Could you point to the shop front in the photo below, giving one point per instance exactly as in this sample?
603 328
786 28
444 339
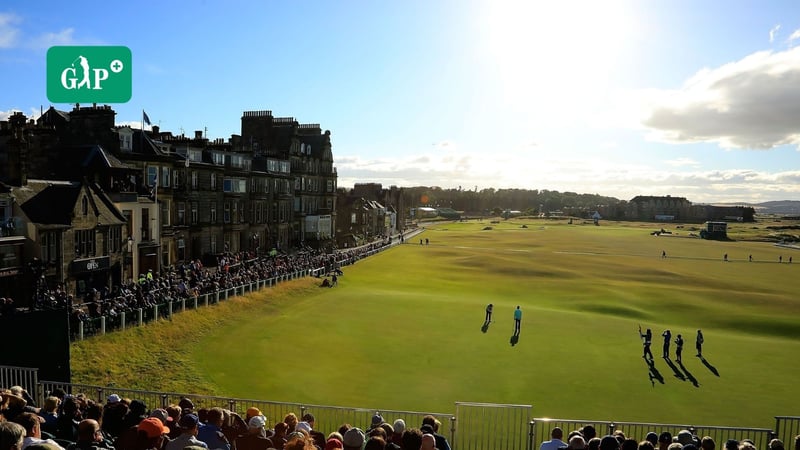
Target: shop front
90 273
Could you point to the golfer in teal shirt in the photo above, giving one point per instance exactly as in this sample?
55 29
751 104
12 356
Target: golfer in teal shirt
517 320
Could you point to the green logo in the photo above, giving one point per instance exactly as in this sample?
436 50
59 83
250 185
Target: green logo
89 74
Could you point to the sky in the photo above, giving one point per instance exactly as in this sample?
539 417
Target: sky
698 99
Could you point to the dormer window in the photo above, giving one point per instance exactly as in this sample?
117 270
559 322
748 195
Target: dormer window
85 206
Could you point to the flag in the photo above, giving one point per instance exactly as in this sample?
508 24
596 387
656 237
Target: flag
145 118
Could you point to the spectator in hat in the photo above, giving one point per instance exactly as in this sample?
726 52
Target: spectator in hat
776 444
186 404
333 444
377 420
685 437
412 439
429 425
399 426
151 434
188 424
353 439
256 436
731 444
11 436
652 438
211 433
555 442
593 443
33 431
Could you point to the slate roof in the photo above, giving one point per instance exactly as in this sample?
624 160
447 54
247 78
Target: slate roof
49 202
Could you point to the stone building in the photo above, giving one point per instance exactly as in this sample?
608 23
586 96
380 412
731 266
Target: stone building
177 198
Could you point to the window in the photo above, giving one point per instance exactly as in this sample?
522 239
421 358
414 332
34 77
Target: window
128 215
84 243
226 213
194 213
165 176
164 205
194 179
176 182
181 219
84 205
329 203
236 185
329 186
50 247
213 243
213 212
152 175
114 239
213 182
218 158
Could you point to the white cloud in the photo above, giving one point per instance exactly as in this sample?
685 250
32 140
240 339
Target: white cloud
47 40
682 162
794 36
33 113
773 32
8 30
554 170
753 103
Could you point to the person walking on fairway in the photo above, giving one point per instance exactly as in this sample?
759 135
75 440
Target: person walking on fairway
667 337
517 320
678 348
699 344
647 339
488 313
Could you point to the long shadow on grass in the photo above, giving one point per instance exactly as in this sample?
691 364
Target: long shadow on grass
653 374
485 327
677 372
514 340
710 367
689 375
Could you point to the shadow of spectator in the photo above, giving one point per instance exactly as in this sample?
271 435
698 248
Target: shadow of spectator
678 374
514 339
689 375
710 367
653 374
485 327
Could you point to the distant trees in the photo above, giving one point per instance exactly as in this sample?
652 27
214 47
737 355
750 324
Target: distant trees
531 202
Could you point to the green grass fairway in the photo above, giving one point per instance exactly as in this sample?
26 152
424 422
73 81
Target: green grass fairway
403 328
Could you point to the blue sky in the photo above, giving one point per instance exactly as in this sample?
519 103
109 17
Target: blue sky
699 99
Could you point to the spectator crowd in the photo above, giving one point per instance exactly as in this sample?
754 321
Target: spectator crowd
76 422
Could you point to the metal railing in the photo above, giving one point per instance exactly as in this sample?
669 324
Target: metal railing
473 426
638 430
787 428
26 377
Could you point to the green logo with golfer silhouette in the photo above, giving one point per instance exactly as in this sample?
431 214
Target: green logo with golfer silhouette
89 74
